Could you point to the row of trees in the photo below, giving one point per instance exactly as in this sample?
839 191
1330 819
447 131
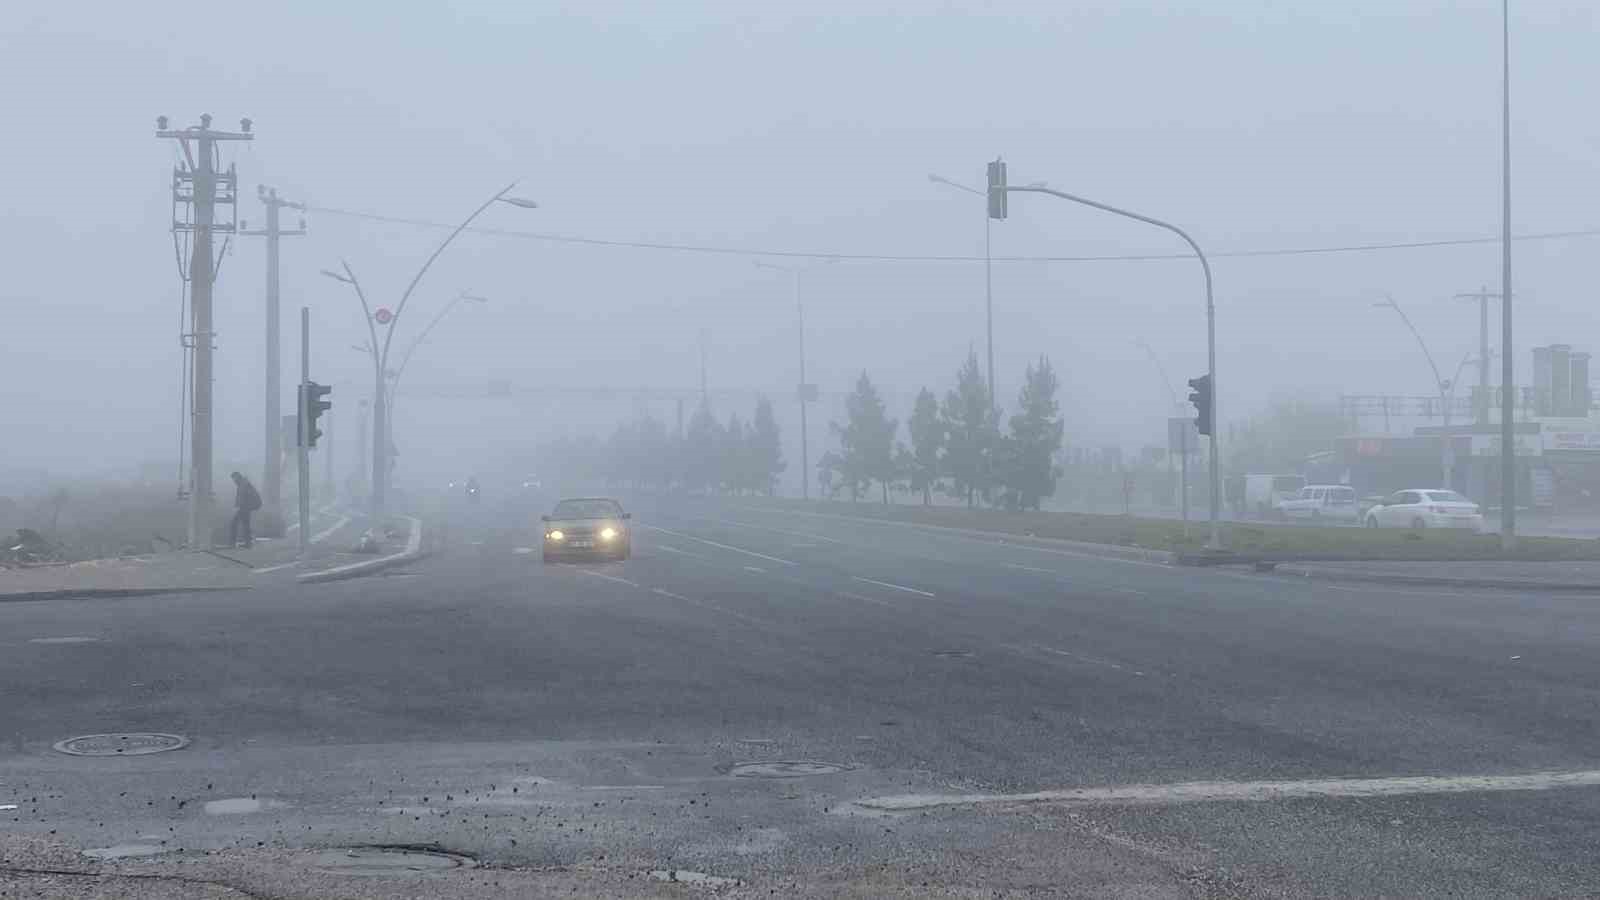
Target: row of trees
733 457
956 445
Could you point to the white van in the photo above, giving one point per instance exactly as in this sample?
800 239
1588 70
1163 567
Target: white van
1319 502
1263 493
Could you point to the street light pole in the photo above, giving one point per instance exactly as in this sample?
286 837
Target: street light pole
1508 450
802 390
1215 540
382 438
1447 456
394 386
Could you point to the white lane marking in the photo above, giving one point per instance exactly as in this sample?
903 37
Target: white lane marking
893 587
799 534
522 551
712 607
865 599
275 568
755 569
784 562
1032 569
671 549
1081 658
1253 791
76 639
592 573
322 535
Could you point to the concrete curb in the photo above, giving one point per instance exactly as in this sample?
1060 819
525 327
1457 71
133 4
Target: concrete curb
1115 551
109 593
1324 574
412 552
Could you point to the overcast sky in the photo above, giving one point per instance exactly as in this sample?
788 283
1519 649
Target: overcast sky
808 127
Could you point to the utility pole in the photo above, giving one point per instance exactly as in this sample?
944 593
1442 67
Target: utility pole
361 458
330 489
1480 409
199 188
705 393
272 461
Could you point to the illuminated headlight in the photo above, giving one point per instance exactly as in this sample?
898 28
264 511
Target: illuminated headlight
607 533
556 535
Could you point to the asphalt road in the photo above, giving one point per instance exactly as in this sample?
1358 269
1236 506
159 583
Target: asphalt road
1352 740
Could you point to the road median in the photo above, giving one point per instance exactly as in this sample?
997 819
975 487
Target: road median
413 551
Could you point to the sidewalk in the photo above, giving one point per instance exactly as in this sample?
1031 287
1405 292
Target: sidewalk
188 570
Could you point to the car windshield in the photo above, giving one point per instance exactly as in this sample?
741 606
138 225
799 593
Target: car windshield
587 509
1342 494
1445 497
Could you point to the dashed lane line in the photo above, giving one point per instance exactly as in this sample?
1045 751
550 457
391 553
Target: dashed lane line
756 569
865 599
1246 791
799 534
729 547
619 580
893 587
1034 569
666 593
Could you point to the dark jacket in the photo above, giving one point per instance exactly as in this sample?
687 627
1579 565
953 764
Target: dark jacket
246 497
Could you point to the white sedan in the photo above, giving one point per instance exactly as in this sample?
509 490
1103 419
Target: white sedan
1322 502
1429 508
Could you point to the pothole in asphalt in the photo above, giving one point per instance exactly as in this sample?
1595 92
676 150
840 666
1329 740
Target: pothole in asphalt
952 654
801 768
684 876
132 744
389 860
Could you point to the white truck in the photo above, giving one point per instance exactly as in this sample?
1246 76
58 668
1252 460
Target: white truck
1263 493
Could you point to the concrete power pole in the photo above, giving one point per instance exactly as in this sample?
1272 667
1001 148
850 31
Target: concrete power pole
272 456
1480 409
198 188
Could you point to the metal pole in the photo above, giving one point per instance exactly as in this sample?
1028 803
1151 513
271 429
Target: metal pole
1215 540
272 456
805 443
988 306
200 285
1183 443
1481 408
1508 449
303 451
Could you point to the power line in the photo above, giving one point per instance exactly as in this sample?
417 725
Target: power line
887 257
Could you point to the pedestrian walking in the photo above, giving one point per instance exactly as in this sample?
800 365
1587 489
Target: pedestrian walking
246 500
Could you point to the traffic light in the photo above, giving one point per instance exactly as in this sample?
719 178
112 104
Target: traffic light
1201 398
312 406
997 190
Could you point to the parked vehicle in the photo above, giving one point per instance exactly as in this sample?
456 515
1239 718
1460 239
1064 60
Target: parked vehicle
1425 508
1263 493
1322 502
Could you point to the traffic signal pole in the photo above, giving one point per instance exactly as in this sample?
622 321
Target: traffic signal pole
303 445
998 190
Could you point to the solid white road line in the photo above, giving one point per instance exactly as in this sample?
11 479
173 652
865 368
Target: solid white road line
865 599
1251 791
666 593
671 549
893 587
690 537
593 574
799 534
1032 569
755 569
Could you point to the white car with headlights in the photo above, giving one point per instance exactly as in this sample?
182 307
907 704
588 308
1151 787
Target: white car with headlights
587 527
1424 508
1322 503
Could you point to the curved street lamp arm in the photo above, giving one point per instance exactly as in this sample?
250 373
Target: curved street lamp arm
367 310
401 308
1438 380
1172 394
394 383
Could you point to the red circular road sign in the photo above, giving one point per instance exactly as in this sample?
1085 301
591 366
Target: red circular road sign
383 315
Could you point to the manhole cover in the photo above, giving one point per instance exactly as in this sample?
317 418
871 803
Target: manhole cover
953 654
388 861
135 744
785 769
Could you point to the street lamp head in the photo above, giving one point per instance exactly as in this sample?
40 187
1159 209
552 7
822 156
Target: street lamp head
521 202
